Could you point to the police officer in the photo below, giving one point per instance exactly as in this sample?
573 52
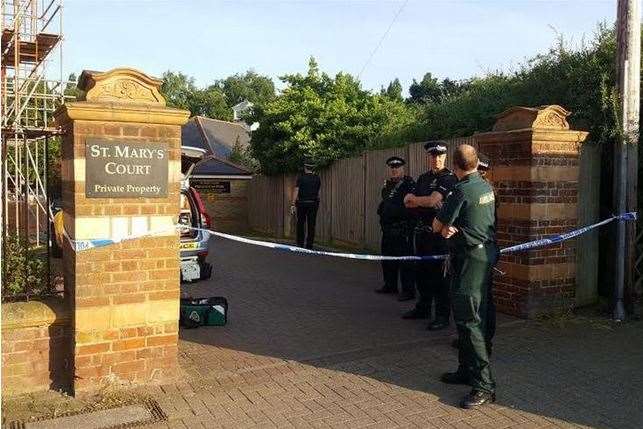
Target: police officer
467 220
305 202
397 230
431 190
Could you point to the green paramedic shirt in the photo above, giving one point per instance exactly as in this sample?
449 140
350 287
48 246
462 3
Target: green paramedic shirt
471 209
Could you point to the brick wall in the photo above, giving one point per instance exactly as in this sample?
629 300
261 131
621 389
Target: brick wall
535 173
126 295
36 353
229 212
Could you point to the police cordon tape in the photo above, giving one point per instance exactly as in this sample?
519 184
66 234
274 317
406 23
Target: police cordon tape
81 245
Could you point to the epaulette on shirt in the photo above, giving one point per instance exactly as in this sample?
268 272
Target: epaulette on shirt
445 173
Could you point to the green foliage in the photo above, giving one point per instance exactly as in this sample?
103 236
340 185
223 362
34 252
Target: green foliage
247 87
426 91
431 91
393 90
324 119
580 80
71 88
215 101
242 156
177 89
25 269
210 102
54 165
180 91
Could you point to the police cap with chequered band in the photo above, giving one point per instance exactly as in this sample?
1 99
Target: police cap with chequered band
436 147
484 163
395 162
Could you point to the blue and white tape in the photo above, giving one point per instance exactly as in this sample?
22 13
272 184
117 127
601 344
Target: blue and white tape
323 253
568 235
80 245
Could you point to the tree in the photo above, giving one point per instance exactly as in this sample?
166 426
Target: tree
71 87
249 86
452 88
325 119
180 91
426 91
177 89
394 90
580 80
242 156
210 102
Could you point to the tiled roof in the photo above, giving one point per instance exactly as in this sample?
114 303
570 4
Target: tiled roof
215 136
218 167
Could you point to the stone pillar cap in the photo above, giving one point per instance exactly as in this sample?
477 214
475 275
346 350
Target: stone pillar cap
552 117
120 85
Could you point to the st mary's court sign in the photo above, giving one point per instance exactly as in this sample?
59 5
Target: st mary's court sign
125 169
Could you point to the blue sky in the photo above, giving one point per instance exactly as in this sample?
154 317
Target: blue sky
210 40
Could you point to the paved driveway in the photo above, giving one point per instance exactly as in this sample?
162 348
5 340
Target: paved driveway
308 344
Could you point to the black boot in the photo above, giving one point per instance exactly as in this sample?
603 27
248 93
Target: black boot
455 378
438 324
477 398
406 296
415 314
385 289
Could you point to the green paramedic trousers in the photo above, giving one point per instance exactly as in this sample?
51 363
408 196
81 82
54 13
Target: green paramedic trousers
472 270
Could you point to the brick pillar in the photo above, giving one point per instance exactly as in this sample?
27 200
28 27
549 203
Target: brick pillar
535 172
125 296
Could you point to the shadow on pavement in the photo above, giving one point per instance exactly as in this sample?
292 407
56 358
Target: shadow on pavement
307 312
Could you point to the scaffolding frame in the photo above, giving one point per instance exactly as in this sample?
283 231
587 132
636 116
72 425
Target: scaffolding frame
32 87
31 45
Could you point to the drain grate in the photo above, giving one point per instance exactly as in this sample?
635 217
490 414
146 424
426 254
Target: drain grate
126 416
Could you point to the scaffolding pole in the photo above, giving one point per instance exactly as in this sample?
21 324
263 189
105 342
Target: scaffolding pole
31 55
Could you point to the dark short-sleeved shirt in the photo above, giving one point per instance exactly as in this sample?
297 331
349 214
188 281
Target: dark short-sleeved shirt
308 184
442 181
391 209
470 208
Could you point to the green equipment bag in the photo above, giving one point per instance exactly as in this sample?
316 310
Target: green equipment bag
197 312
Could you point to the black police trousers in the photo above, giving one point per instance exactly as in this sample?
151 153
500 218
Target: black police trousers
306 219
397 243
432 284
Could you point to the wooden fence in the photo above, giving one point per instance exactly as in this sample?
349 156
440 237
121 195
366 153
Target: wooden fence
350 194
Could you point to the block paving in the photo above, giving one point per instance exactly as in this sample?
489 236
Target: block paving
309 344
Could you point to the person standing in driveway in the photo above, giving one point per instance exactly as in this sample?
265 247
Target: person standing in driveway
467 221
305 203
397 225
432 188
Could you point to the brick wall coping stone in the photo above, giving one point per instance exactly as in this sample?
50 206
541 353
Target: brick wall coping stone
518 117
120 112
537 134
27 314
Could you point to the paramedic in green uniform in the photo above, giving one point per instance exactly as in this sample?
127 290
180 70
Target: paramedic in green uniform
467 221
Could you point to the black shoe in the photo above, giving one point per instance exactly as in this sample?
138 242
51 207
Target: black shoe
455 378
477 398
415 314
405 296
455 344
438 324
385 289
